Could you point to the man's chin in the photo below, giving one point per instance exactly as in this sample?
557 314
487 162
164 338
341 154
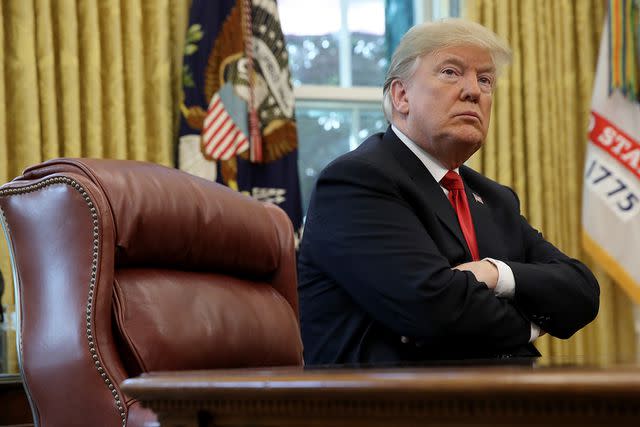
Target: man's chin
473 139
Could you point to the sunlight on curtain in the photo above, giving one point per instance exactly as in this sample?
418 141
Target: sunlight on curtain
91 78
537 141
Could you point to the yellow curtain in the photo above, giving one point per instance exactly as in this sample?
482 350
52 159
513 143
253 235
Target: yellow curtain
537 142
90 78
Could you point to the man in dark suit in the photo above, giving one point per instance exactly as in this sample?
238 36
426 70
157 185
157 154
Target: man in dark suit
407 254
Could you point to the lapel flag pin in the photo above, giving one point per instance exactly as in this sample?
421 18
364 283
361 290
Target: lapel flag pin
478 198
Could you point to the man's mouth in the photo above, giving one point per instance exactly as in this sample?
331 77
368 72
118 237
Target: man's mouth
469 114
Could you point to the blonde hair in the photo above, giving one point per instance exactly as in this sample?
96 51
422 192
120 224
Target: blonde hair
430 37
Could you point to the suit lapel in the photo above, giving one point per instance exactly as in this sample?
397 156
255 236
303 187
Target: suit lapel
437 200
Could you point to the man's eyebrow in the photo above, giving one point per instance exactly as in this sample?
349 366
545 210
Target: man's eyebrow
460 63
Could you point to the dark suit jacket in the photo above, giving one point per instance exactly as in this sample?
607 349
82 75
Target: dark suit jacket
375 277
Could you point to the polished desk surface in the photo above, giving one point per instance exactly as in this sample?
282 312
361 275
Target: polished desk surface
447 395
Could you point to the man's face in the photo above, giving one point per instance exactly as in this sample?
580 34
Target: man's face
446 105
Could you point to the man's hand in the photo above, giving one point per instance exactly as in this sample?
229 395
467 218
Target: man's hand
484 271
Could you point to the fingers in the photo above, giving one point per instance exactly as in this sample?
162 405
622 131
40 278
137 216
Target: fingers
484 271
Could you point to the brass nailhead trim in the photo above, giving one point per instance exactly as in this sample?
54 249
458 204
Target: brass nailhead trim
94 268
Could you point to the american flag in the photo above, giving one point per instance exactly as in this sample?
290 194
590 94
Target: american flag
221 138
238 118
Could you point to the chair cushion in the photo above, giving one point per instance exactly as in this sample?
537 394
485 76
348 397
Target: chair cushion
176 320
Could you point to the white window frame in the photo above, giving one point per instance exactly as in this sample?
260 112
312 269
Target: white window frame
338 93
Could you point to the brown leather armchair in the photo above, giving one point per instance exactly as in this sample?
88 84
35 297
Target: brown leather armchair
125 267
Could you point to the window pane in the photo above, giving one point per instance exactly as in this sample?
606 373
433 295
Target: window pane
313 60
328 129
326 136
339 43
368 46
371 121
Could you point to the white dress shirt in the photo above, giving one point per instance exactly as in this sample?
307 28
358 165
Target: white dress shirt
506 285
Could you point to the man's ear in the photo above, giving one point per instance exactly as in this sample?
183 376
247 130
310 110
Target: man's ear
399 96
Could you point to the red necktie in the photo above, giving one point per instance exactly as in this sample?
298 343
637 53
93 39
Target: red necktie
458 199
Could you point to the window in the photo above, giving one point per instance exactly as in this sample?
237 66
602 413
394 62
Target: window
327 129
338 57
335 42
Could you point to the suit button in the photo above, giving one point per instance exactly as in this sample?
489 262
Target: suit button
404 340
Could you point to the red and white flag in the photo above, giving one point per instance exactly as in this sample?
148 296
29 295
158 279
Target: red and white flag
221 137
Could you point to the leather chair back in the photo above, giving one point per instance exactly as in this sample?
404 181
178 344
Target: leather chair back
125 267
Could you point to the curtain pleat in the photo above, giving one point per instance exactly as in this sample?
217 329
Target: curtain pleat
4 155
503 151
90 78
46 69
65 38
133 39
158 72
112 77
536 144
518 105
180 15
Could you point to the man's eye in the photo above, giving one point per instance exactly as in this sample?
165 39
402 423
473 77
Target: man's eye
486 81
449 72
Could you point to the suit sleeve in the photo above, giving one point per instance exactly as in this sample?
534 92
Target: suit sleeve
556 292
365 236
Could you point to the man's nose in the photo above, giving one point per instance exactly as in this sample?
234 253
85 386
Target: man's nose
470 90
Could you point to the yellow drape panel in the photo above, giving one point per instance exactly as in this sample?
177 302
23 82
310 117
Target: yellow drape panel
90 78
537 141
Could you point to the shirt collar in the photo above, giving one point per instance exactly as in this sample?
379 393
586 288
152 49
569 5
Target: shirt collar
433 166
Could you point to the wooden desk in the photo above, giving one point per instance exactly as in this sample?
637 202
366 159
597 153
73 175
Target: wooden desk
393 397
14 405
